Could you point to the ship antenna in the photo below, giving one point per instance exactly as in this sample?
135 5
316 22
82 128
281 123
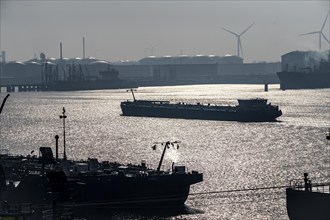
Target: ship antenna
63 116
167 145
132 90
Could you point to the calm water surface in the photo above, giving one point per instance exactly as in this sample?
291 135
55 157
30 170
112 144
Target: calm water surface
231 155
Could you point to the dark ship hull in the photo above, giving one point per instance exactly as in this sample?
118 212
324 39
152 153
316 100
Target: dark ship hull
305 70
158 190
41 181
304 80
105 190
305 201
253 113
305 205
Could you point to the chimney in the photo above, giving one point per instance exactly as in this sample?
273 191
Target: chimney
83 47
61 51
3 56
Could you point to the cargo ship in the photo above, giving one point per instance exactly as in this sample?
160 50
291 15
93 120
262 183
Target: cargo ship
75 80
305 70
43 180
247 110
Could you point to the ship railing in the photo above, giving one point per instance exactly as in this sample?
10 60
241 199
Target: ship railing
152 101
15 209
315 187
63 214
47 215
323 188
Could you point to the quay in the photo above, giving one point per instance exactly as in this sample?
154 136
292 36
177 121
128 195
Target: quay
22 88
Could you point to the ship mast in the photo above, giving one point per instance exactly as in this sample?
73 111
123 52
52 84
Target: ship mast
166 145
63 116
132 90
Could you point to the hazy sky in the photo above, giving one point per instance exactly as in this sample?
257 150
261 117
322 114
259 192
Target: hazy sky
124 30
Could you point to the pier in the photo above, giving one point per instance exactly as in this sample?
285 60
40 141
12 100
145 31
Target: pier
22 84
22 88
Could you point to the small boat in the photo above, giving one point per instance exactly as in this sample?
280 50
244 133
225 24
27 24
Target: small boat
247 110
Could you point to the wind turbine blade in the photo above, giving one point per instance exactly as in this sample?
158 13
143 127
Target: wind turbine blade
152 45
240 45
325 38
315 32
238 40
230 32
247 29
325 20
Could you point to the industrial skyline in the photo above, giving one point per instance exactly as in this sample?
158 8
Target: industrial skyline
131 30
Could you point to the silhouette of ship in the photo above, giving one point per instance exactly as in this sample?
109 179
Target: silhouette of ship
248 110
46 179
307 200
76 80
305 80
305 70
92 183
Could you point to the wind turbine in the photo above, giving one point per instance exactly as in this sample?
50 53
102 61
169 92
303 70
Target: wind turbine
151 48
239 43
320 32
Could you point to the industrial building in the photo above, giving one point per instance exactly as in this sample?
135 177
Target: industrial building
167 70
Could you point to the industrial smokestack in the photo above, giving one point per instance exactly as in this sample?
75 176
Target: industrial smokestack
61 51
83 47
3 56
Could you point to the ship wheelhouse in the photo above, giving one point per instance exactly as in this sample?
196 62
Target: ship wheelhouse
252 102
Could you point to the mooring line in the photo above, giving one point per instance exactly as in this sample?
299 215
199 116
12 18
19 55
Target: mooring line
238 190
